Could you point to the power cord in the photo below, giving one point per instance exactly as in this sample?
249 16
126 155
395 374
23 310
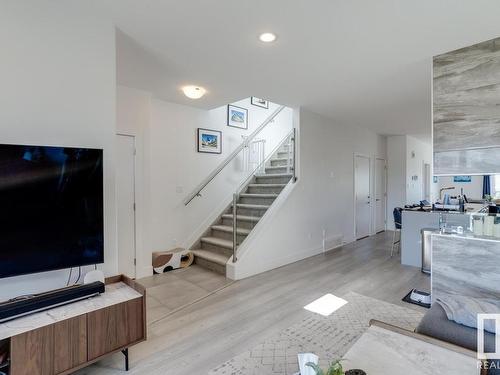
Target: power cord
79 275
69 277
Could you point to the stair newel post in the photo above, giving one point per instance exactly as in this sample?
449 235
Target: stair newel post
235 234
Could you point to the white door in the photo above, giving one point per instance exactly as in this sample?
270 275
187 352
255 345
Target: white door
362 195
125 197
380 194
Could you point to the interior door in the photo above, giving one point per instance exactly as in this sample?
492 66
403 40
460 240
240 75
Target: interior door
380 194
362 195
125 192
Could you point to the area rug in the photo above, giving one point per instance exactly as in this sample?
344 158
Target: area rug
328 337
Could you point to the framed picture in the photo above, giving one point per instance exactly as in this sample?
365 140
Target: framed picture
237 117
259 102
462 179
209 141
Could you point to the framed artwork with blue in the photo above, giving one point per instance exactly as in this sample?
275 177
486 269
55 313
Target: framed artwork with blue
462 178
209 141
237 117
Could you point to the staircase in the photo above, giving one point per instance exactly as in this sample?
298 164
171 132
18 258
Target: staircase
215 247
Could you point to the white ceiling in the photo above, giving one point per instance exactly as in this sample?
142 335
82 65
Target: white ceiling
363 62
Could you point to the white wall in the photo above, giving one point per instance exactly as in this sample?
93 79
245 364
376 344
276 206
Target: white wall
417 153
322 198
396 176
57 75
133 113
406 157
172 167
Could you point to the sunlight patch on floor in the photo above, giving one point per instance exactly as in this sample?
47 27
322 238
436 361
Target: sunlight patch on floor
326 305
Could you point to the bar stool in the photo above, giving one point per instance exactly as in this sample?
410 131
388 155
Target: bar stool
397 212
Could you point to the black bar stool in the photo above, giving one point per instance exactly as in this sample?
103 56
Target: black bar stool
398 225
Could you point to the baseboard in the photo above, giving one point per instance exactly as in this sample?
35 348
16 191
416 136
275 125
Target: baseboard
333 242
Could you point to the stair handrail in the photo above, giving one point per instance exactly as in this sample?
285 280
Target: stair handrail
196 192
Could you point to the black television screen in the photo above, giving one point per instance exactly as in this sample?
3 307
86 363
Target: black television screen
51 208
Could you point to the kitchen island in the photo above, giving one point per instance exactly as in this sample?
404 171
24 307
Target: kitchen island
416 220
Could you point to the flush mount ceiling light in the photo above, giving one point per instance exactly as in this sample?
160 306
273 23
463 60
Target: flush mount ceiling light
267 37
194 92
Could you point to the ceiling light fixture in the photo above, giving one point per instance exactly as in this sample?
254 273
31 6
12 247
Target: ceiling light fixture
194 92
267 37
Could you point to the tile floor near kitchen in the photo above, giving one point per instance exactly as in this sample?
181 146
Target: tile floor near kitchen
170 291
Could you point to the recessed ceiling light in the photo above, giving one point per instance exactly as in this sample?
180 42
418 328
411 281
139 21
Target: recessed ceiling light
194 92
267 37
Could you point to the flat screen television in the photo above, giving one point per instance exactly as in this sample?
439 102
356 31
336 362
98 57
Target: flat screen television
51 208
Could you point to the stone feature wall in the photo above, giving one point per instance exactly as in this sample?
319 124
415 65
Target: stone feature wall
466 102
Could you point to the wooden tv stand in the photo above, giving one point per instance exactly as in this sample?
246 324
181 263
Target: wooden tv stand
67 338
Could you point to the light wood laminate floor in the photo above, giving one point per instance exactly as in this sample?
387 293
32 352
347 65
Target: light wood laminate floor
239 316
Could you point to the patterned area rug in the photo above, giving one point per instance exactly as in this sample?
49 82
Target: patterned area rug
328 337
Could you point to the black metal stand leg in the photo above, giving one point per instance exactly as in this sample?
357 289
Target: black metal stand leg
125 353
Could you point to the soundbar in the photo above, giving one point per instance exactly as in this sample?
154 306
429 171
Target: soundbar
22 306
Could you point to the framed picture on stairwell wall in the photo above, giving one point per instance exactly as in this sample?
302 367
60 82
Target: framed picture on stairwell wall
209 141
259 102
237 117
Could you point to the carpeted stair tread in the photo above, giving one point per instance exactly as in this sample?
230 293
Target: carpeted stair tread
211 256
218 242
229 229
253 206
267 185
257 195
274 175
276 167
242 217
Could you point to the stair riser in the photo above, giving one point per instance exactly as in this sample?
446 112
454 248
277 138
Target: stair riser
273 180
210 265
216 249
241 224
227 235
264 190
277 170
254 200
276 163
250 212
